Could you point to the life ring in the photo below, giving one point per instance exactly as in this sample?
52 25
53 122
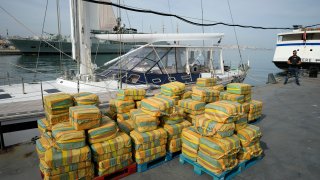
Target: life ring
195 68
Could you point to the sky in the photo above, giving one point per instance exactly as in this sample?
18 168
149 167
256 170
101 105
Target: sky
266 13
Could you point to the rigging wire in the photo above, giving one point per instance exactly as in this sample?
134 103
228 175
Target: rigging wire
188 21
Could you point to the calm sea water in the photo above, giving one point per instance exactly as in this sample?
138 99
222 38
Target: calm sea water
52 67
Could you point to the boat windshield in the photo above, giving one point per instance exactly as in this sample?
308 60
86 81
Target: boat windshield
298 37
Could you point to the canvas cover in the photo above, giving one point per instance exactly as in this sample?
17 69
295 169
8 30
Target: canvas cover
58 103
145 137
249 135
212 128
131 94
223 111
231 97
239 88
206 82
86 98
66 137
84 117
173 89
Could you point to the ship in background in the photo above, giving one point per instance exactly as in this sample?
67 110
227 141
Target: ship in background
106 23
306 41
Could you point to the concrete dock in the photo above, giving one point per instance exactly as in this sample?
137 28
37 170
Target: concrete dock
291 143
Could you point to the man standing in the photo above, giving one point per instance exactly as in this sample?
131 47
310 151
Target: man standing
294 61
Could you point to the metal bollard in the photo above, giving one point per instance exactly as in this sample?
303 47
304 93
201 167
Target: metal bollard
23 90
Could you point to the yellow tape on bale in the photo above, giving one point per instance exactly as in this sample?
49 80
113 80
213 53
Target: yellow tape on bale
157 106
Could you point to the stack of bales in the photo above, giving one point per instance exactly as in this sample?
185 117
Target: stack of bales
131 99
86 98
190 139
149 139
191 108
255 110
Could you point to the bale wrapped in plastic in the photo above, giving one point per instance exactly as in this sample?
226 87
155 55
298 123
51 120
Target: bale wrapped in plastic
219 148
191 106
189 152
206 82
67 137
249 152
245 107
239 88
247 97
55 158
254 116
212 128
255 106
216 166
83 174
58 103
149 152
175 129
117 167
113 154
145 137
43 144
126 126
249 135
131 94
174 145
107 130
173 88
109 113
122 140
150 158
86 98
219 87
43 125
205 94
242 122
108 163
85 117
176 117
138 104
223 111
174 98
190 142
112 105
231 97
186 95
192 118
143 122
122 106
157 106
149 145
58 118
48 171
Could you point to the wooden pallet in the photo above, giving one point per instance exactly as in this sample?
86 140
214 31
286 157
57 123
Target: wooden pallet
131 169
151 164
170 156
198 169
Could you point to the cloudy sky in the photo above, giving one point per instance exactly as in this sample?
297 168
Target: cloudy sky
267 13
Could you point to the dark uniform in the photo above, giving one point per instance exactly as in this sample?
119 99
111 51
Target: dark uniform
294 62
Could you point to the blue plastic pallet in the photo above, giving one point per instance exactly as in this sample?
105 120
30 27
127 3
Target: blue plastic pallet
170 156
198 169
248 163
151 164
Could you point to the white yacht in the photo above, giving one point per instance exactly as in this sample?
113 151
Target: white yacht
305 41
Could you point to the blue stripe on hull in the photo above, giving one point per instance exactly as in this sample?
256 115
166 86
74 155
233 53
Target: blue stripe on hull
299 44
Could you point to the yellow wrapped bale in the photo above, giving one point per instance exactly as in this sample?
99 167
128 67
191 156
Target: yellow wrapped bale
245 107
107 130
55 158
149 145
205 94
189 152
219 148
126 126
117 167
219 87
108 163
85 117
173 89
150 158
138 104
107 112
113 154
131 94
190 142
186 95
175 129
255 110
249 135
242 122
176 117
121 141
122 106
145 137
43 125
223 111
208 127
175 99
157 106
239 88
216 166
48 171
174 145
143 122
193 107
83 174
43 144
231 97
247 97
247 153
58 118
206 82
149 152
86 98
58 103
67 137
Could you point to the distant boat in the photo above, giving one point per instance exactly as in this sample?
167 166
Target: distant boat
305 41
